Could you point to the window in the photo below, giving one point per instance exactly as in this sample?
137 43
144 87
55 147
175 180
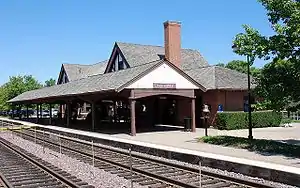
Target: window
113 68
64 79
120 63
116 63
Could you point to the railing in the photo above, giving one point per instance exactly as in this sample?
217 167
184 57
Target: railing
293 115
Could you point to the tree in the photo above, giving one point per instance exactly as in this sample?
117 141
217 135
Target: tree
220 64
280 79
275 78
50 82
15 86
240 66
2 99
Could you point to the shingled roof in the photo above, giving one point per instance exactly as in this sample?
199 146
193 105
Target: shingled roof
137 54
96 83
76 71
102 82
216 77
91 78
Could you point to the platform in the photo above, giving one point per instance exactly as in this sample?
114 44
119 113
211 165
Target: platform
178 143
187 140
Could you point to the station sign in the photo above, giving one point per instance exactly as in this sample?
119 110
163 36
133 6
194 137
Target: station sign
164 85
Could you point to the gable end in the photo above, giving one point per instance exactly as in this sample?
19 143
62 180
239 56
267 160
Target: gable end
63 77
116 61
163 74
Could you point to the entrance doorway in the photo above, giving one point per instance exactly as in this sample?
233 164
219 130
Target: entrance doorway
165 110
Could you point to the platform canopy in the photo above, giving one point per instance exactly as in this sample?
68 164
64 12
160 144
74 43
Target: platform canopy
113 81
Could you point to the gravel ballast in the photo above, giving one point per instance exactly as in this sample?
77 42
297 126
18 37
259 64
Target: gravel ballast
214 170
88 173
224 172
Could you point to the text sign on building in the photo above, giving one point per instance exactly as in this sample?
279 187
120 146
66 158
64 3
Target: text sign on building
164 85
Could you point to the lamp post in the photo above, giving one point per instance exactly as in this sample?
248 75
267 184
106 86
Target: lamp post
250 59
250 136
206 116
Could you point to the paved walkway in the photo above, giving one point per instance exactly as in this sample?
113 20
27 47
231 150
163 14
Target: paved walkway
187 140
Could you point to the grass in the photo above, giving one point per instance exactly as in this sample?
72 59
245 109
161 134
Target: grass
257 145
296 121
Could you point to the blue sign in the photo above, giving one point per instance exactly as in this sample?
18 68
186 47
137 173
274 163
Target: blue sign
246 109
220 108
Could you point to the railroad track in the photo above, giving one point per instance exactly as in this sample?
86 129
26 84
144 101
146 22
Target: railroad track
147 171
18 168
121 171
8 124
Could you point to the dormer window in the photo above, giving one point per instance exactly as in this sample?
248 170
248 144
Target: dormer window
118 63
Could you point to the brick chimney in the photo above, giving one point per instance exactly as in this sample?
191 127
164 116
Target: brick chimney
172 42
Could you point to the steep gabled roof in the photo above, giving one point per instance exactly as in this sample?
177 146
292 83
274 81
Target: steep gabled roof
96 83
137 54
97 68
216 77
113 81
76 71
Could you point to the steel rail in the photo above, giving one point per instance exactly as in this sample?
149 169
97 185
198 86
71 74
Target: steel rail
182 167
39 165
241 181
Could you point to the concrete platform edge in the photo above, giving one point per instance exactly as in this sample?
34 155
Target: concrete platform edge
269 171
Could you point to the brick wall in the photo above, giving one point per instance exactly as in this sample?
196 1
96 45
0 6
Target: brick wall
235 100
231 101
211 98
184 109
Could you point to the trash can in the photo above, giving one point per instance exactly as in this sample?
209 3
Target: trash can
187 123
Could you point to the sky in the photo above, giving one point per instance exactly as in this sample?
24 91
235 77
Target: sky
36 37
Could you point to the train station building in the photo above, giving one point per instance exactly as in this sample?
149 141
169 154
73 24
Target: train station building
140 86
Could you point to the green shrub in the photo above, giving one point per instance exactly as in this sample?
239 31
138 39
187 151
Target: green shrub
286 121
239 120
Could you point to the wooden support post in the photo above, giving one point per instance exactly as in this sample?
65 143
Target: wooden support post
13 111
193 115
50 114
93 116
84 107
60 111
63 110
132 112
68 114
20 111
27 113
115 111
41 112
37 113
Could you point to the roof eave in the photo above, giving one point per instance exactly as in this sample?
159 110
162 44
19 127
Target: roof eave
61 96
182 73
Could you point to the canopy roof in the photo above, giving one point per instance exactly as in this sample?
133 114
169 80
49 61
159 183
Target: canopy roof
84 79
113 81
